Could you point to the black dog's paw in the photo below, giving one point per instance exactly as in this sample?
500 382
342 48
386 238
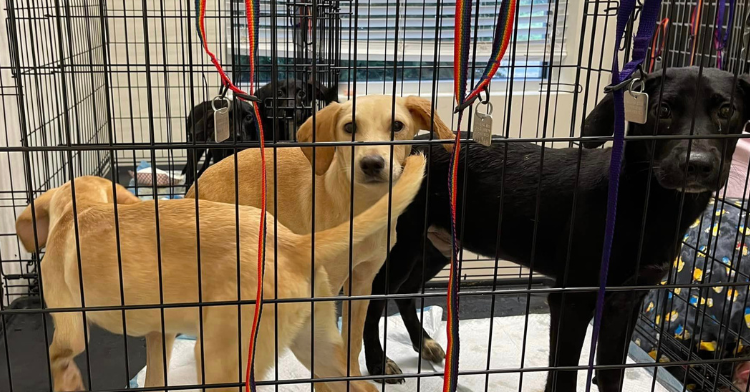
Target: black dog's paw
375 368
390 369
432 351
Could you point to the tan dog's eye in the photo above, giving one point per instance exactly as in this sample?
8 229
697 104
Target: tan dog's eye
349 128
398 126
725 111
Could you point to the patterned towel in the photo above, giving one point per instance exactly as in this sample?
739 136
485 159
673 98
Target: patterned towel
706 321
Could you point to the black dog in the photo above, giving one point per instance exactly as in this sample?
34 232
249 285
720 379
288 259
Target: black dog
562 236
293 107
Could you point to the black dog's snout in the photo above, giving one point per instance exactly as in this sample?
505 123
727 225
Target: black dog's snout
700 165
372 165
697 172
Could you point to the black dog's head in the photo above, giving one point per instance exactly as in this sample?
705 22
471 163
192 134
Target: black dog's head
294 103
293 99
709 104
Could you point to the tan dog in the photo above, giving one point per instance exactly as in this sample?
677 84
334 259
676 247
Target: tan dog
333 166
178 278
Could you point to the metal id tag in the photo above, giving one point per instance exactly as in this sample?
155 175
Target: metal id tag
657 64
483 126
636 104
221 122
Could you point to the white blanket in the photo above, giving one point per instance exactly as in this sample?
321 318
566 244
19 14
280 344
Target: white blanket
507 347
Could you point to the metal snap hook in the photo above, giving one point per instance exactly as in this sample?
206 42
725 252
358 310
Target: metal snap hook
632 84
489 108
219 98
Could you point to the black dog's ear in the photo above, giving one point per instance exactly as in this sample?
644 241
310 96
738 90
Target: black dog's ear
744 80
327 95
600 122
744 83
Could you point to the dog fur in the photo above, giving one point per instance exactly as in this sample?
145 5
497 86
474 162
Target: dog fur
556 226
294 100
166 271
332 172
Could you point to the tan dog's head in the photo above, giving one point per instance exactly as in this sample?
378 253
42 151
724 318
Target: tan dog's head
51 205
336 122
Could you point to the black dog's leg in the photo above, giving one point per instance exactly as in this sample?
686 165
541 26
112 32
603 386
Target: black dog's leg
189 170
373 349
568 324
420 339
206 163
618 322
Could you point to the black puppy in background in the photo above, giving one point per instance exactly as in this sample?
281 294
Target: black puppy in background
562 236
293 107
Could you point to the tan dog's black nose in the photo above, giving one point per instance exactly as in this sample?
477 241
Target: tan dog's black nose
372 165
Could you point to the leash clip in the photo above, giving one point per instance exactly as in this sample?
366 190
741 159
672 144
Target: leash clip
460 108
222 91
247 97
625 83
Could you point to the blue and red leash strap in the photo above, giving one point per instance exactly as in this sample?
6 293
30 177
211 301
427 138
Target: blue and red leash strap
649 16
462 35
721 34
252 14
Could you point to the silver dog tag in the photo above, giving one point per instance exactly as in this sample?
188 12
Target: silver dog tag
483 127
221 124
636 106
221 120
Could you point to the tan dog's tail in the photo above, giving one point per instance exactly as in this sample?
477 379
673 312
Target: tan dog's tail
329 243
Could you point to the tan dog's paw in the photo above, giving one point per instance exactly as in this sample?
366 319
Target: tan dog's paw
69 380
432 351
390 369
363 386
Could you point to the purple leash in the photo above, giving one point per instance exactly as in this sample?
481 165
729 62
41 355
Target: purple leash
720 40
649 17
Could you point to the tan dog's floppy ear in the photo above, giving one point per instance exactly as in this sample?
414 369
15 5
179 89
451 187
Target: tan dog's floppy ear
125 197
325 123
25 223
421 110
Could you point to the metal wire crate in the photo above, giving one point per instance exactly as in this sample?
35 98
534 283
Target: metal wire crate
92 87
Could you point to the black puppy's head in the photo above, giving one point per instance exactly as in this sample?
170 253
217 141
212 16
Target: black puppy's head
709 104
293 99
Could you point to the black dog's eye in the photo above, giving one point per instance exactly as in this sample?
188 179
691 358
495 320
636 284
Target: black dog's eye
725 112
398 126
301 94
349 128
664 111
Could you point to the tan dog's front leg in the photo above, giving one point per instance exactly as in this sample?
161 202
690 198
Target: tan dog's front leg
363 274
329 354
155 358
67 343
68 340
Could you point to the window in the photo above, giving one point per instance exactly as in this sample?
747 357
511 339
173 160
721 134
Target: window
375 35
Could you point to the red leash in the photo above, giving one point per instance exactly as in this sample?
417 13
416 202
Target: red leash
661 38
252 14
